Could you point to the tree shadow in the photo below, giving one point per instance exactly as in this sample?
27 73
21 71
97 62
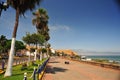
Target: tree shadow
53 62
119 76
53 70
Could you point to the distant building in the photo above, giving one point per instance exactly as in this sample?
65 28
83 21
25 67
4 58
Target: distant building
52 50
28 53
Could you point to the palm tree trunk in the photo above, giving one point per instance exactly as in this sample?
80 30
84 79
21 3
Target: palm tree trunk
47 49
35 55
47 52
41 57
12 50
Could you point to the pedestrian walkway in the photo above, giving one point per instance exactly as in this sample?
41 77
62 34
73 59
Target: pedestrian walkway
58 70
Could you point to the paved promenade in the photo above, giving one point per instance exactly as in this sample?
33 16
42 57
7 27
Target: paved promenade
57 70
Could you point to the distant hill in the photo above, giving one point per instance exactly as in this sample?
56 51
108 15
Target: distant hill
87 52
67 51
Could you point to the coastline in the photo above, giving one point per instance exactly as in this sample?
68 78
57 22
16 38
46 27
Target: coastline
106 58
100 64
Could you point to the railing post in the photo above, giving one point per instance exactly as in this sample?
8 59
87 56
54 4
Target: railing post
34 74
25 76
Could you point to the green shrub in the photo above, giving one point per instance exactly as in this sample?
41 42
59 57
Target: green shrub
24 66
34 64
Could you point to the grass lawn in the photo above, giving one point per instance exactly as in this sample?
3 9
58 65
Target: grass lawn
18 74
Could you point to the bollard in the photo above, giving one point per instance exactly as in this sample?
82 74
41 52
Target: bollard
38 65
25 76
34 73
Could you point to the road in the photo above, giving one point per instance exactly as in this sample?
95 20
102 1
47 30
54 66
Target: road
57 70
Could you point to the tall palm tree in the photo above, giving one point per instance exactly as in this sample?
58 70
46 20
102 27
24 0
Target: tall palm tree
41 22
21 6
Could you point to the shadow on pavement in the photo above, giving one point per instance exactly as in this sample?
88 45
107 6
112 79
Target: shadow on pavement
53 62
53 70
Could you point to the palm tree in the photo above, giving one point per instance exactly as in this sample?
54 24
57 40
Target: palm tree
21 6
41 22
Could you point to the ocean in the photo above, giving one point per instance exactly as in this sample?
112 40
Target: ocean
111 57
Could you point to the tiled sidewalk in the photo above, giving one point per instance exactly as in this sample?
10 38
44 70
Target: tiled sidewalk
57 70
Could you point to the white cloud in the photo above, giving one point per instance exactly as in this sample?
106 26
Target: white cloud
59 27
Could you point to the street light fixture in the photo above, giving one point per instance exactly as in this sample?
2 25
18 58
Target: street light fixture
3 6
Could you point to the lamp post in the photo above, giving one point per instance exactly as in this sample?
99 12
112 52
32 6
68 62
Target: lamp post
3 6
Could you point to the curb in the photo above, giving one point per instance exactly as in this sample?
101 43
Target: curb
40 75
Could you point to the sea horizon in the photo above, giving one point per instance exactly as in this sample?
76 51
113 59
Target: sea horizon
107 57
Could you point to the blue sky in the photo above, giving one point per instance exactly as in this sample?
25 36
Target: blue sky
74 24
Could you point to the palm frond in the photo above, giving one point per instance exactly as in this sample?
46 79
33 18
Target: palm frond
23 5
